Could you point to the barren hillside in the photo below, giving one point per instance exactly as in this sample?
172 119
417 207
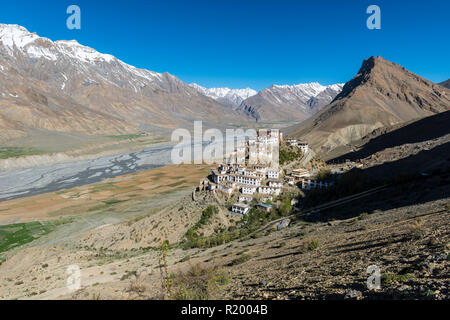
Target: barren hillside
382 94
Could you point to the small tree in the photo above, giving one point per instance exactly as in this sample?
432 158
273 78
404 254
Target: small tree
166 281
285 206
324 174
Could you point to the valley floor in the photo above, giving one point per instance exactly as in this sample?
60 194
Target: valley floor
315 257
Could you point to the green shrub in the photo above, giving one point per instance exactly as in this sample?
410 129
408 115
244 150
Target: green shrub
243 258
16 152
312 245
204 219
416 230
290 154
198 283
324 174
388 279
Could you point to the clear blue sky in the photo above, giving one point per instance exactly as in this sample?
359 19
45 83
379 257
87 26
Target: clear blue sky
251 43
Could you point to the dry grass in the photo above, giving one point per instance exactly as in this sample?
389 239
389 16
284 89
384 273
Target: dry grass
311 245
416 229
198 283
136 285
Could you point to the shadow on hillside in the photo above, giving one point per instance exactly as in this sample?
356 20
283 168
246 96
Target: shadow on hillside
419 131
365 245
361 286
409 186
425 160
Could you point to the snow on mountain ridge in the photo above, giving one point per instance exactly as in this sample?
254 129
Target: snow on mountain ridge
12 34
298 101
227 96
302 92
78 51
15 37
279 94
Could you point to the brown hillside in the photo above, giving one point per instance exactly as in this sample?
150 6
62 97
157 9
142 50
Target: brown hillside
381 94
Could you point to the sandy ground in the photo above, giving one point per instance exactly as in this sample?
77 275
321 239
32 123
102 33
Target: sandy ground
280 265
127 189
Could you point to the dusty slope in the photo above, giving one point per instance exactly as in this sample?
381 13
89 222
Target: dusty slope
381 94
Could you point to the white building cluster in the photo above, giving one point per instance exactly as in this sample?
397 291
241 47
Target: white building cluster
257 179
262 149
308 184
302 177
251 170
262 179
304 147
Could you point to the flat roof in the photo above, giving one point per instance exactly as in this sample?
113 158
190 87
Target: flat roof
241 205
242 176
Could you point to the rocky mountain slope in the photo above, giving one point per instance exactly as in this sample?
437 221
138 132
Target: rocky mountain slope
229 97
67 87
381 94
416 147
445 83
297 102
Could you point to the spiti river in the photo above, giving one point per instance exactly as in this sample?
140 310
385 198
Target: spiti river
49 178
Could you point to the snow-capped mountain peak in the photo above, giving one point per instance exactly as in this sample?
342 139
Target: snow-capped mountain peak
68 87
227 96
18 41
14 35
17 37
302 91
80 52
297 101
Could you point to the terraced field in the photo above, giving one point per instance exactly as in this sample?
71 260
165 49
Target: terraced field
67 212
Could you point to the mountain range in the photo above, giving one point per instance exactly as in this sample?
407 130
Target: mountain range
276 103
63 86
229 97
296 102
382 94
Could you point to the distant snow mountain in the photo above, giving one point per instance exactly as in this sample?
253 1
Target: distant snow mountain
295 102
325 97
63 86
229 97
